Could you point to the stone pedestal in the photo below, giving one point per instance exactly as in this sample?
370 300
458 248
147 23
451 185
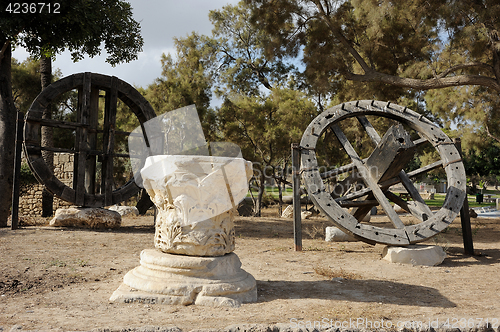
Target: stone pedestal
334 234
174 279
193 262
415 254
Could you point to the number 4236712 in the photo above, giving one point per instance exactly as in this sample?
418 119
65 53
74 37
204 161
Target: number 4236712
33 8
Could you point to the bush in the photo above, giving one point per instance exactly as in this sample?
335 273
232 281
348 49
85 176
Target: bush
26 176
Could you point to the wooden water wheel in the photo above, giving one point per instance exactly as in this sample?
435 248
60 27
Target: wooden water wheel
346 193
86 131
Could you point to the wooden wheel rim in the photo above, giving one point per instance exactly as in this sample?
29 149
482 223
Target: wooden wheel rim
450 158
85 82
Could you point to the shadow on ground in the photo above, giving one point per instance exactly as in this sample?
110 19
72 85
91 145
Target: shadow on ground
376 291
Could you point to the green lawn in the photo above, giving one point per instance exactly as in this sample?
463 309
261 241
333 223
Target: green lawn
437 201
273 192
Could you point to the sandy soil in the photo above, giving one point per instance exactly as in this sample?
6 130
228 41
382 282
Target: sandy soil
62 279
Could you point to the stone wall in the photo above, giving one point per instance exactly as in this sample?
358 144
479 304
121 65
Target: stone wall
30 200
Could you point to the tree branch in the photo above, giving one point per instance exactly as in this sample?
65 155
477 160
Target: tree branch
465 66
425 84
4 48
338 34
491 135
441 81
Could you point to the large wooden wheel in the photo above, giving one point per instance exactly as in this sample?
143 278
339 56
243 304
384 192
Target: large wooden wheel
367 182
83 192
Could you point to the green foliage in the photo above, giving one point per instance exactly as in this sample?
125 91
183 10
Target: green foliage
25 83
82 27
244 65
186 80
26 177
377 50
265 127
484 162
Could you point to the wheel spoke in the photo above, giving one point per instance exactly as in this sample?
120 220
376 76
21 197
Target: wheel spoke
419 208
370 182
375 137
419 211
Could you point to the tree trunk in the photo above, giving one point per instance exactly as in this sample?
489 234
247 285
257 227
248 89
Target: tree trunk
47 137
262 188
7 134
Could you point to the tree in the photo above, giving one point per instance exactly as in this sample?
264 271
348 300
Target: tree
398 43
483 164
25 83
264 128
80 26
406 44
244 68
186 80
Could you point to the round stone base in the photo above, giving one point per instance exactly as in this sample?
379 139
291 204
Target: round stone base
415 254
175 279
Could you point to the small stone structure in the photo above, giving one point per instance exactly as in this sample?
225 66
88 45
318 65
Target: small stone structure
124 210
96 218
415 254
334 234
30 199
193 262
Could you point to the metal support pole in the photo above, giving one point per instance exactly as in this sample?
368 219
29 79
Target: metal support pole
17 172
297 222
464 213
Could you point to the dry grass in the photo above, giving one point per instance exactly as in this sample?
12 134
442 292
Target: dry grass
314 230
331 274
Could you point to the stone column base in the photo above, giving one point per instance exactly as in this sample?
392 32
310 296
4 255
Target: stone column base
176 279
415 254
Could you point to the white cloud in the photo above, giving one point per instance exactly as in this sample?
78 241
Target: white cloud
161 21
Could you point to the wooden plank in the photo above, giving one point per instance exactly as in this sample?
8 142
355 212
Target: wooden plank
391 182
297 222
370 182
464 214
81 140
425 169
57 123
350 167
372 133
363 203
418 207
391 155
17 172
90 165
31 149
343 186
109 141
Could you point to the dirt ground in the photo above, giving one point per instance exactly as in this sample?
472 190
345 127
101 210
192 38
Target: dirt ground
53 278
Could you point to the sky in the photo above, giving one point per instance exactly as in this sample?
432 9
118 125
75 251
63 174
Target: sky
161 21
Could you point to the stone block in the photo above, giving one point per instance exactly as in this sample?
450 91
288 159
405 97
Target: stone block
86 217
287 212
334 234
415 254
125 210
164 278
305 214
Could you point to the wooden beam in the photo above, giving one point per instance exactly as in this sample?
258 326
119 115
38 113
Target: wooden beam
464 213
297 222
81 139
17 172
109 141
90 166
367 176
